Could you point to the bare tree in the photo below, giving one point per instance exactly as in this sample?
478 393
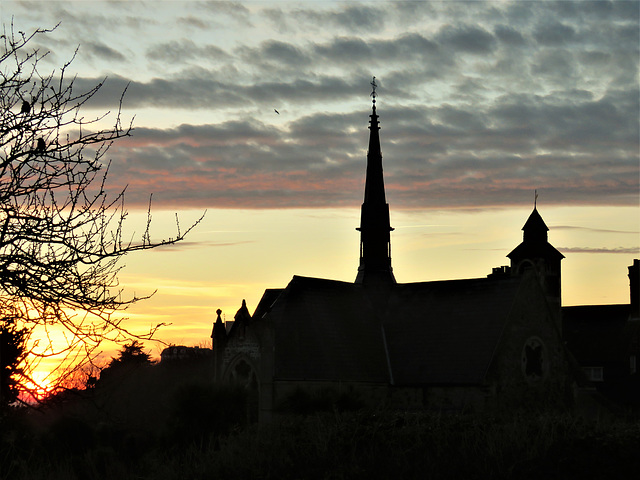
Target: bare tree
61 233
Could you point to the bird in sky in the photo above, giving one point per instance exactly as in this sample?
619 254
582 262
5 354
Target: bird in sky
276 111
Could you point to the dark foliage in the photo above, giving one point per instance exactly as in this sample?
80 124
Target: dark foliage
130 357
12 352
301 401
201 412
203 438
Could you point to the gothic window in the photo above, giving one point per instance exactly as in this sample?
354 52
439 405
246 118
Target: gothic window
534 360
244 375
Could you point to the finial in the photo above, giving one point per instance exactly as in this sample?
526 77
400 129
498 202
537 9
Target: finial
535 199
373 92
219 312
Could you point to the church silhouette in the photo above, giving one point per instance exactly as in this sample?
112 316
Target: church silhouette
476 344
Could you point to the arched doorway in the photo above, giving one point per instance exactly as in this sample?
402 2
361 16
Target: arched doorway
243 374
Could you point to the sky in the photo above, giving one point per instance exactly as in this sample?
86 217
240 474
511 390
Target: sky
257 113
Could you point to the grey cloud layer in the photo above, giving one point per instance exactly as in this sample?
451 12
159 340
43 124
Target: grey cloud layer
433 157
480 103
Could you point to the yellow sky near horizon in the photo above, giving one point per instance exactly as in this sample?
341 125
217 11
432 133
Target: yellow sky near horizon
237 254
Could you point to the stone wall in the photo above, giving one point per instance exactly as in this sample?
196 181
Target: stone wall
530 368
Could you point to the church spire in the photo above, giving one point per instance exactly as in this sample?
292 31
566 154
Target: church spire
375 228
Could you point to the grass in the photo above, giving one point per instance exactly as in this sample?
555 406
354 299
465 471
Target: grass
353 445
165 425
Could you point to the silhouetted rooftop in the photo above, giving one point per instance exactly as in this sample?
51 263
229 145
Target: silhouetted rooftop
433 332
447 332
597 333
327 330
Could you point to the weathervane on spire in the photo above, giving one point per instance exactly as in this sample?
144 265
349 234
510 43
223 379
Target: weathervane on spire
373 92
535 199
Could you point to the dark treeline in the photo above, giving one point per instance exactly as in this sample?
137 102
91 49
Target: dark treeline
169 421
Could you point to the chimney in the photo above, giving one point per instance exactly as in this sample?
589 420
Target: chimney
634 288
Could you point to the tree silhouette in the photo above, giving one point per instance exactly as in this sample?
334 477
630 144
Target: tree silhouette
12 352
131 354
61 233
130 357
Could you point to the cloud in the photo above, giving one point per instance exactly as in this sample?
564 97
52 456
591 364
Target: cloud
180 51
622 250
467 39
509 35
103 51
275 53
352 17
193 21
187 245
589 229
554 33
235 10
318 160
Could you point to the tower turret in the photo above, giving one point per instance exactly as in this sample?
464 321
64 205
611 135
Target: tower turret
537 254
375 240
218 342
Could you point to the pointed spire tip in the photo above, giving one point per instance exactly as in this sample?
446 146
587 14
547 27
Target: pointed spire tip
373 91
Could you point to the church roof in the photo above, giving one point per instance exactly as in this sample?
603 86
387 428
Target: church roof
447 332
266 302
327 330
428 333
535 250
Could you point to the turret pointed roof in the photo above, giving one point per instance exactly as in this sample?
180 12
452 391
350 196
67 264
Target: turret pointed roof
535 240
374 184
219 332
535 228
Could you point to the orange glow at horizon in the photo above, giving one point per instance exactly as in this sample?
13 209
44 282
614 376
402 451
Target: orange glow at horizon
237 254
39 388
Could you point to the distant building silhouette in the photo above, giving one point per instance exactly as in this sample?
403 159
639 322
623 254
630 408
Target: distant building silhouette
474 344
181 352
605 341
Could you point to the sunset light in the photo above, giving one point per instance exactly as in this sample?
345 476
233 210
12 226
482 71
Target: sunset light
471 126
38 389
375 228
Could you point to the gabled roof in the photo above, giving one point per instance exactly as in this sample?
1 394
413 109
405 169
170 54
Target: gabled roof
327 330
447 332
428 333
244 318
269 296
535 250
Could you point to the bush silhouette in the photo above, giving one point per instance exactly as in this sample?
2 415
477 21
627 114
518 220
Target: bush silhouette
303 402
202 411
